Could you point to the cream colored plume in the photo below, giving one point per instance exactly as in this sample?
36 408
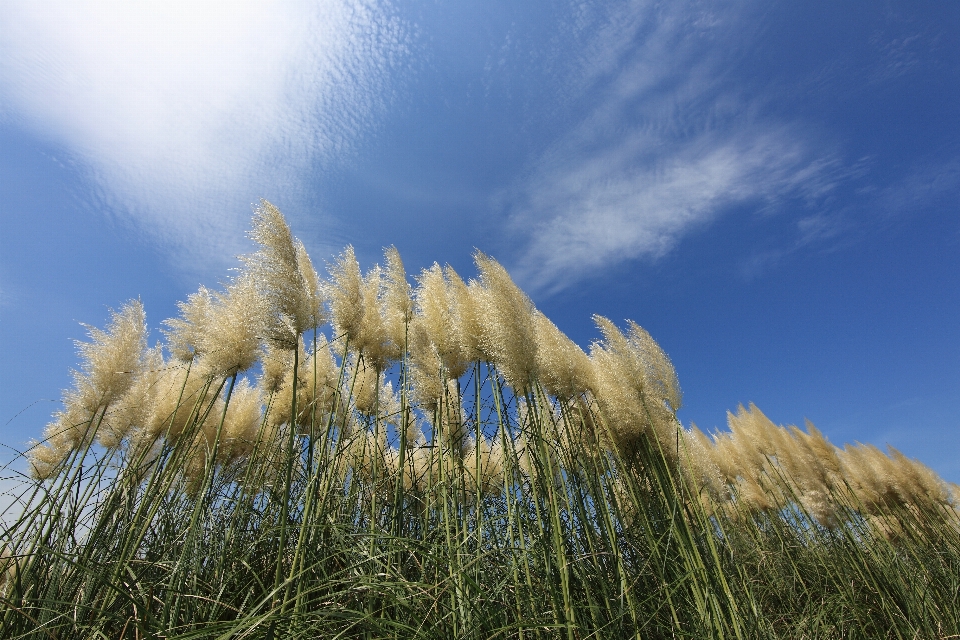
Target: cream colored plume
112 359
276 365
110 363
565 370
284 277
186 334
397 302
507 334
242 423
219 330
345 293
483 465
636 389
317 379
131 412
231 336
379 328
366 389
179 396
699 467
467 318
426 369
447 315
436 320
882 482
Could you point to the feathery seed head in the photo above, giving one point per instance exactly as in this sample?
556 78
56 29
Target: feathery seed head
345 293
467 321
276 365
623 419
317 393
131 411
507 335
752 425
920 485
313 294
175 403
818 503
398 296
698 465
822 447
565 370
861 474
366 388
230 339
726 456
185 335
111 361
242 422
426 367
45 458
284 277
433 310
382 325
112 358
488 456
391 410
636 388
746 449
317 377
437 316
658 370
752 496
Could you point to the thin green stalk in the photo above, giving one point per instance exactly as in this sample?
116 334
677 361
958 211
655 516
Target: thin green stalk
287 480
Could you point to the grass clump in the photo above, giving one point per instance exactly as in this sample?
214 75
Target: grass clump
440 461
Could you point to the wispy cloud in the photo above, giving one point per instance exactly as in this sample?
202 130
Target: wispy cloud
666 143
930 185
182 113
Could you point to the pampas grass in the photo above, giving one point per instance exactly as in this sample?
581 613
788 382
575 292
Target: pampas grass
441 461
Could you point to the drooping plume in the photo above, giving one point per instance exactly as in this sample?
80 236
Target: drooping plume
110 363
131 412
564 368
636 388
113 358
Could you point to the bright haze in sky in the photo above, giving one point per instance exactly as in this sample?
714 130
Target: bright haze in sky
772 190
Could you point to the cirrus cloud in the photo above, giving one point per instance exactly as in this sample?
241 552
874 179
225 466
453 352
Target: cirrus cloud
181 113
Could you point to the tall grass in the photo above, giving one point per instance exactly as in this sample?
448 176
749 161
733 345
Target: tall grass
444 463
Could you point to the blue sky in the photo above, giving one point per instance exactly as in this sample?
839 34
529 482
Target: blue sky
773 191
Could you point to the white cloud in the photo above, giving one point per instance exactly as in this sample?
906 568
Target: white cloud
185 112
667 143
599 210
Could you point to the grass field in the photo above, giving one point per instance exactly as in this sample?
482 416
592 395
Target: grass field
440 461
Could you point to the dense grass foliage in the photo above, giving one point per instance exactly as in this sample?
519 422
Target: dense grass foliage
444 463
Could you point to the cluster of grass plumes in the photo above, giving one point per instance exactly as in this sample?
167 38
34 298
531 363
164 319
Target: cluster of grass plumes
359 457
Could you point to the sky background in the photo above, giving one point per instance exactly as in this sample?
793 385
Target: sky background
773 191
